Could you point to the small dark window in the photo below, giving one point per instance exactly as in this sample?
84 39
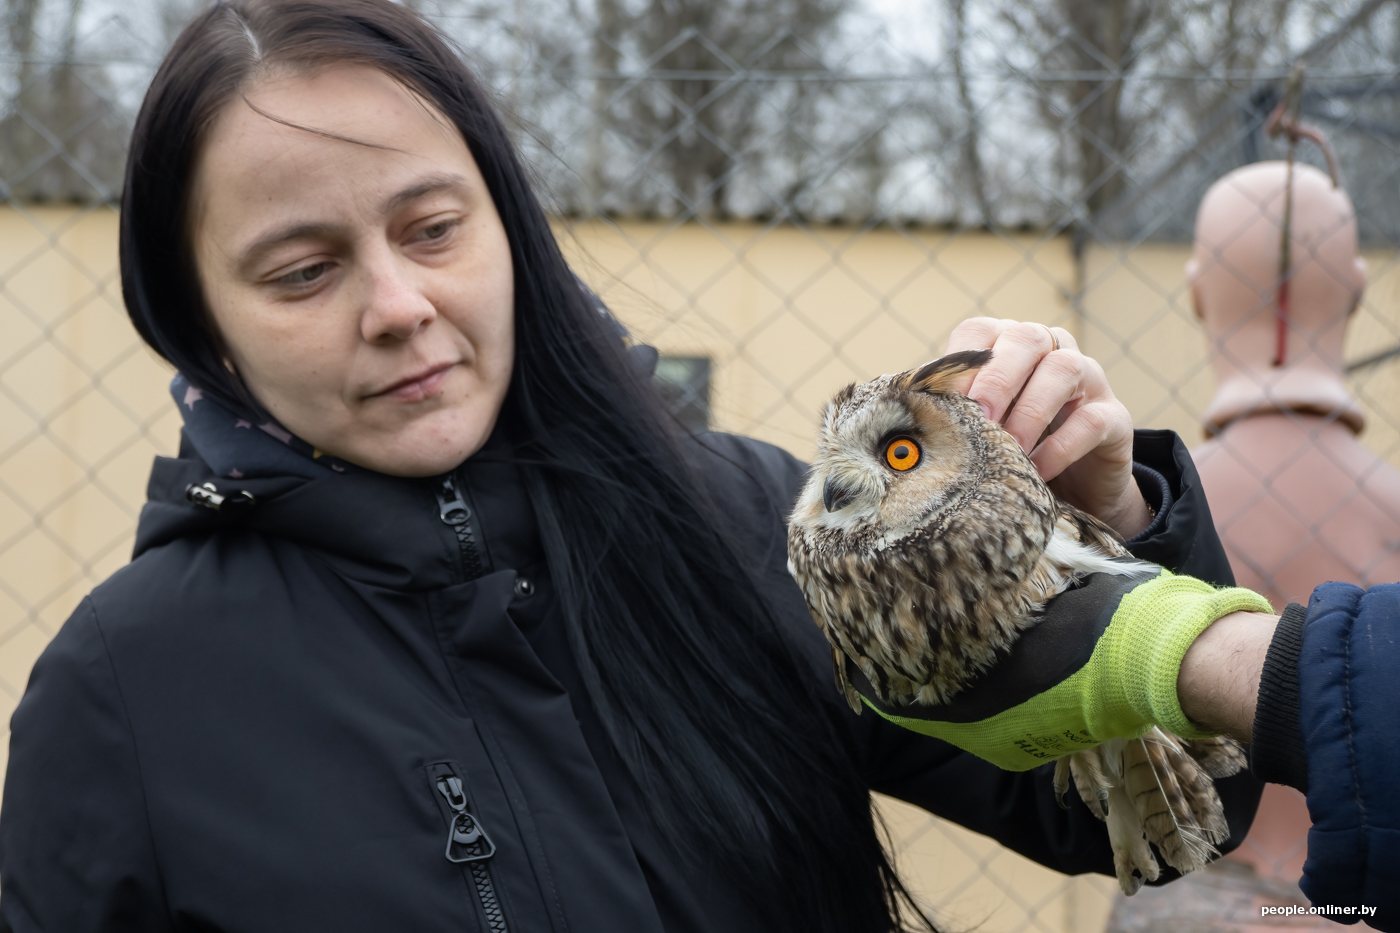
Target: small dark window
684 382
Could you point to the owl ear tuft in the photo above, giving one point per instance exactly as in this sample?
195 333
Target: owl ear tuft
937 377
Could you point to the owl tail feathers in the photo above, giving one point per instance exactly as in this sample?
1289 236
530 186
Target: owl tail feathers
1175 799
1150 789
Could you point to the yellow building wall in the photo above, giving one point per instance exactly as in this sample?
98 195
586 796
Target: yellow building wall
82 411
787 315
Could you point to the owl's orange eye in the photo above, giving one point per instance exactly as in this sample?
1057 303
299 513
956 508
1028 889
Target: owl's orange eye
902 454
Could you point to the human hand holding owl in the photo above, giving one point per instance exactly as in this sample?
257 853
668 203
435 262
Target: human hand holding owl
934 557
1057 403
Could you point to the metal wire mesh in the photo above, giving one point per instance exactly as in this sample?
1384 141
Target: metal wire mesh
782 197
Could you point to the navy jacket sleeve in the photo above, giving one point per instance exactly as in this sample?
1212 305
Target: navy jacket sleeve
77 806
1348 712
1019 810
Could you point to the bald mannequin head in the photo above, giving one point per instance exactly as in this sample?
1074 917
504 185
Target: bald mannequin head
1234 275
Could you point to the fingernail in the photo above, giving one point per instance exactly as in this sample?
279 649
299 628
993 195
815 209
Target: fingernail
986 410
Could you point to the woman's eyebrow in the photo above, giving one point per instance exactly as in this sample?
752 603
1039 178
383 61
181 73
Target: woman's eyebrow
265 244
444 181
430 185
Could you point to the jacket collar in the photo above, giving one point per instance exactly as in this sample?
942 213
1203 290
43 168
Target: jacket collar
235 473
383 529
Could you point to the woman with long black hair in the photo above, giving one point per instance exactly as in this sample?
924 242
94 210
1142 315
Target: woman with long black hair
435 623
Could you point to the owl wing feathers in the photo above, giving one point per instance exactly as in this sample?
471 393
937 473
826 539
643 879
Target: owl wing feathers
1088 530
838 661
1220 756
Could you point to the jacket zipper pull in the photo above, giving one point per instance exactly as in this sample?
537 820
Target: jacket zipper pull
451 508
466 838
456 514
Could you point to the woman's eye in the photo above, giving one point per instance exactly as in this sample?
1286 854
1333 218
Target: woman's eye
902 454
305 275
437 231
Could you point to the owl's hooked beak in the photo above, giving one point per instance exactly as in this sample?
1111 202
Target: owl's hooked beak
835 496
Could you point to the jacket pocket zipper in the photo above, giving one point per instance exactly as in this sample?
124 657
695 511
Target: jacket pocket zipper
457 515
469 845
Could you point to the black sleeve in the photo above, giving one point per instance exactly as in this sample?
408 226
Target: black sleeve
76 854
1182 538
1278 754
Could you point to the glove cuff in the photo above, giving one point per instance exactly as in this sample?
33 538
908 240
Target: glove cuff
1152 630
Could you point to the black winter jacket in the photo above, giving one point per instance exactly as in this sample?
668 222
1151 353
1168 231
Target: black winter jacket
264 721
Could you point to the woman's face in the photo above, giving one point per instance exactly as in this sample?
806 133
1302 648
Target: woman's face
364 292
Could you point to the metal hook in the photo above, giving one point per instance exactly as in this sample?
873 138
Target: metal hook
1283 121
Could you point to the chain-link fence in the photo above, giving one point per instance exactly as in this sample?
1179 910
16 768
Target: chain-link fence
787 195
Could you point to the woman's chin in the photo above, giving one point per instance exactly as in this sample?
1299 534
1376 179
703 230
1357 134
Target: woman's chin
429 446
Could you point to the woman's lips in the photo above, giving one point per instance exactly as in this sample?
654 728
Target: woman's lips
418 387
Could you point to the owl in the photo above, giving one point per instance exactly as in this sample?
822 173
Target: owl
926 544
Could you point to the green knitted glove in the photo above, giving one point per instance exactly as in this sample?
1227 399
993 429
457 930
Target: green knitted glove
1101 664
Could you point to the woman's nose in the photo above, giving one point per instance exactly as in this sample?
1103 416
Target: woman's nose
396 308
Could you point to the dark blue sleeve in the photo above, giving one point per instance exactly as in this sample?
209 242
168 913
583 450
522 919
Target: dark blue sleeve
75 848
1349 710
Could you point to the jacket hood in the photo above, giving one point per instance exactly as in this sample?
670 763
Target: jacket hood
231 473
244 445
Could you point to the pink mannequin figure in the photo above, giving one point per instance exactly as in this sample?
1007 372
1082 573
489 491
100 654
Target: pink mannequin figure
1296 498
